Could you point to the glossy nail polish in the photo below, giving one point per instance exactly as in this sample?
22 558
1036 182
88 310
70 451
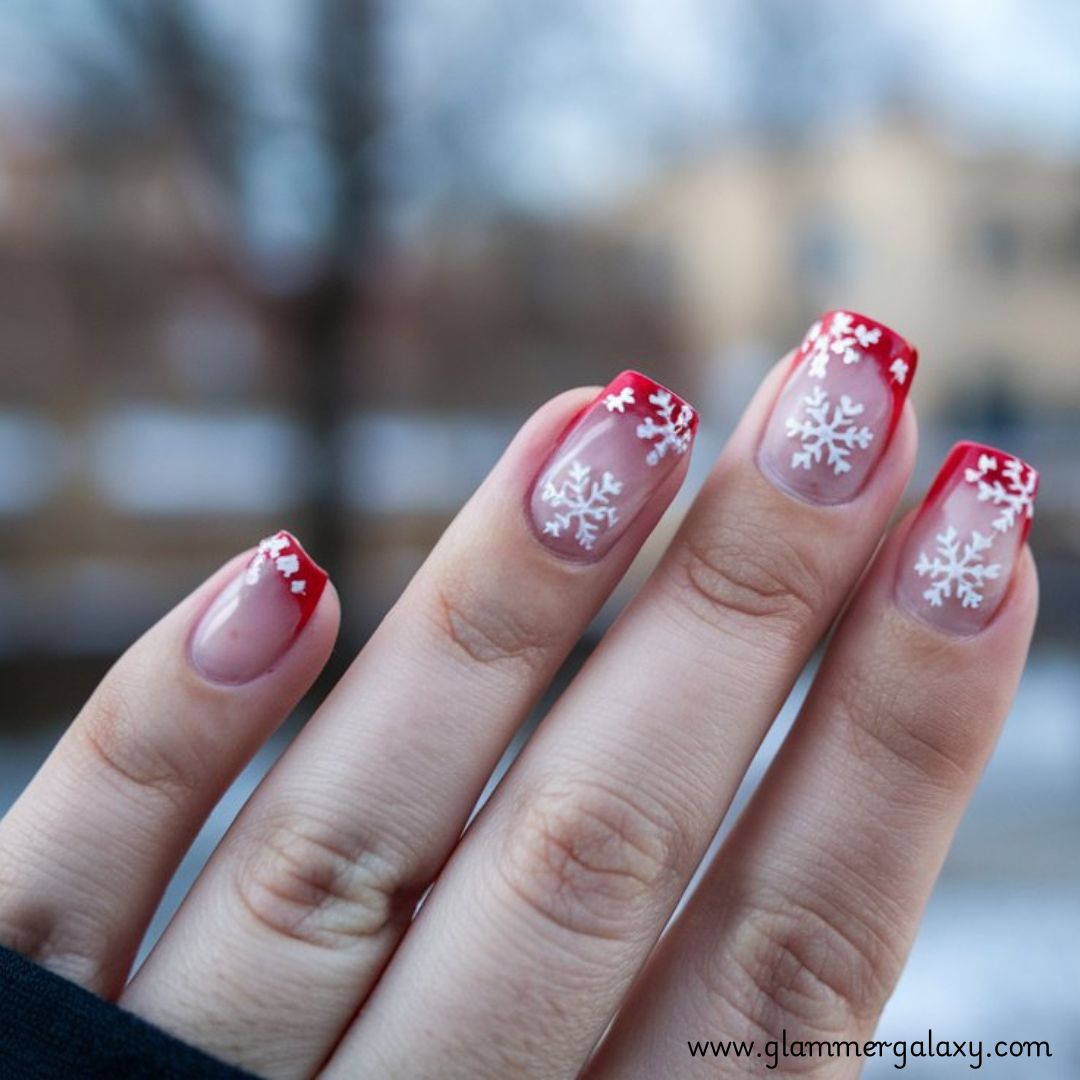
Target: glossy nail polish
258 615
838 408
608 464
961 550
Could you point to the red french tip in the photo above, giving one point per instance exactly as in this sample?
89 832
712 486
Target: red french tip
838 336
300 575
1007 484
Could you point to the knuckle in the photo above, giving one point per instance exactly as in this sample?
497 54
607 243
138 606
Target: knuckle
32 926
491 633
591 860
796 965
728 575
894 731
84 959
306 879
112 730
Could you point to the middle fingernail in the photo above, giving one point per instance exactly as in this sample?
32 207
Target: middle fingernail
834 418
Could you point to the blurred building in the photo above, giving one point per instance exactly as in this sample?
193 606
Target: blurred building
155 407
975 256
155 415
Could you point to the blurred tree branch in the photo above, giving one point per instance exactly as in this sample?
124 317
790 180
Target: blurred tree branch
159 74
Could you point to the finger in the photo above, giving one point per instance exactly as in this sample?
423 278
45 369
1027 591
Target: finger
88 848
804 921
560 889
297 914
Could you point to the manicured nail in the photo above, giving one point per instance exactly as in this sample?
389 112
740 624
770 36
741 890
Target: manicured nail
608 464
962 547
258 615
834 418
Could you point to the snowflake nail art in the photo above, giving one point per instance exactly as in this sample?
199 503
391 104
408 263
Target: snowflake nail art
833 437
282 555
842 400
963 546
838 335
585 503
957 570
618 402
609 464
669 429
1010 486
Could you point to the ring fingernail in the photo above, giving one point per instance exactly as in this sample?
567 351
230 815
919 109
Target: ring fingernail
962 547
608 465
256 617
838 409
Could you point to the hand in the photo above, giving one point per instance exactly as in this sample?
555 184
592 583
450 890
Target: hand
297 951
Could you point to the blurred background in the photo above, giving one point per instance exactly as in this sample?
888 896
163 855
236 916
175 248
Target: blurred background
310 263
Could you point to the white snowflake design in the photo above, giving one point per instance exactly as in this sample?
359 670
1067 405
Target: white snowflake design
272 551
899 369
672 432
841 336
834 437
618 402
584 502
955 568
1015 496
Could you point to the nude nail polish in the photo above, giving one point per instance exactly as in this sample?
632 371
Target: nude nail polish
258 615
962 548
838 409
608 465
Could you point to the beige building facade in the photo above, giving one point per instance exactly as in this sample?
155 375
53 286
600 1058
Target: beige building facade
975 257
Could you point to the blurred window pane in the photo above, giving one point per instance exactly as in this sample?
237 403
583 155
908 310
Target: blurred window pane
157 461
398 463
998 245
31 458
823 248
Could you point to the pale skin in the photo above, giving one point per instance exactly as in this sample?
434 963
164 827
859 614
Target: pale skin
535 955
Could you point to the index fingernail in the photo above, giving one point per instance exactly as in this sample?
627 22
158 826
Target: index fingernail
608 465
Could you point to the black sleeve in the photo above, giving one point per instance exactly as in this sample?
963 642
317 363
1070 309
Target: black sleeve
51 1029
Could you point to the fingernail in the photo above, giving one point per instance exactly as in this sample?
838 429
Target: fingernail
608 465
258 615
836 414
962 548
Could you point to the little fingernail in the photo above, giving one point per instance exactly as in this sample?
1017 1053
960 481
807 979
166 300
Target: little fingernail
608 465
258 615
962 548
836 414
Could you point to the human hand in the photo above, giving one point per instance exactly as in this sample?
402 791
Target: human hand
297 952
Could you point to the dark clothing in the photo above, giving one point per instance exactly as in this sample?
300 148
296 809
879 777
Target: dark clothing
51 1029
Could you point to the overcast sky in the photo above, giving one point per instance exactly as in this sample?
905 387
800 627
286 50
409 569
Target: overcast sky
1001 72
551 106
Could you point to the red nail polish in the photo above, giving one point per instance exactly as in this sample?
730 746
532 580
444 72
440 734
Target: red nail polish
962 548
608 465
839 408
258 615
